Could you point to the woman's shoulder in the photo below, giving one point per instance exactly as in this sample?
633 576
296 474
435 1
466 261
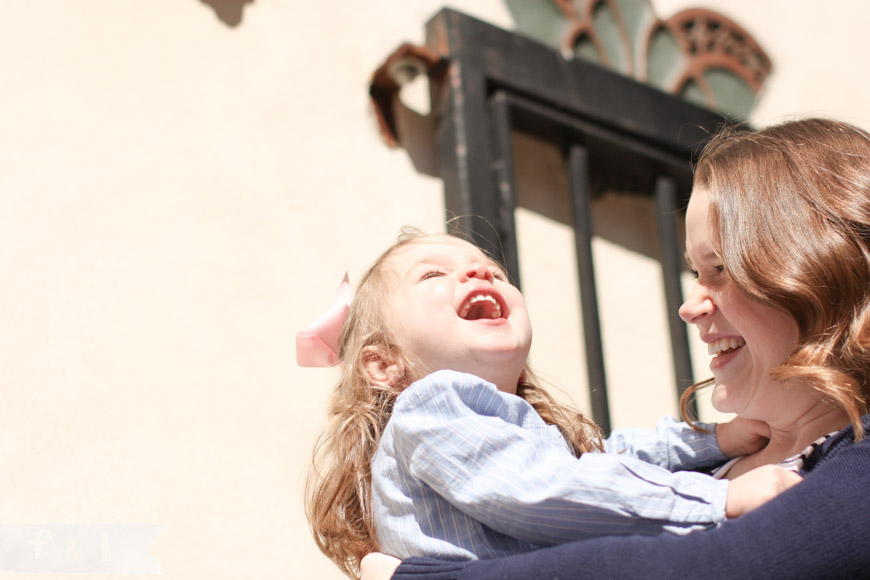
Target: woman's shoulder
836 444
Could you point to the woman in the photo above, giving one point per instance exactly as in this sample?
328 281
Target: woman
778 231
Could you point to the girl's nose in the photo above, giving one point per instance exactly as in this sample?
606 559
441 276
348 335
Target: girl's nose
477 270
697 305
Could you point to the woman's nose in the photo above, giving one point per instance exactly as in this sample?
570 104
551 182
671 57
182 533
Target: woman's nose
697 305
477 270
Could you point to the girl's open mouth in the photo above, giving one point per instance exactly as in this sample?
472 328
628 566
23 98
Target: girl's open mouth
480 306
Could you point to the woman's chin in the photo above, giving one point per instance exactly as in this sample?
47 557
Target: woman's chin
720 400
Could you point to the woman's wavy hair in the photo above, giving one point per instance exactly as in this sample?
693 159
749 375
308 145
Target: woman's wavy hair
338 489
790 216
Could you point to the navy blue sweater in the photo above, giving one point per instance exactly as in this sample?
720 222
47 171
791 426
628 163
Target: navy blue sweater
818 529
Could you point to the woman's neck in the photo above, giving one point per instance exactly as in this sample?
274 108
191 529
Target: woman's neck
789 439
817 422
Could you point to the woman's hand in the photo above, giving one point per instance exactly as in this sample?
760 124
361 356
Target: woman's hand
741 436
377 566
757 487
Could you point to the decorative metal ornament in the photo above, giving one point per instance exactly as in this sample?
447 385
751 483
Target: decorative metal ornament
697 54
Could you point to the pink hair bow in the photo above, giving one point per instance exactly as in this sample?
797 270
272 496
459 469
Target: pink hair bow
318 346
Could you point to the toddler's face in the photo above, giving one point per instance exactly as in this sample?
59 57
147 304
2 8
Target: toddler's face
451 307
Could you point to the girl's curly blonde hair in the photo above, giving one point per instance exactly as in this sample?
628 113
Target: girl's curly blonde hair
338 489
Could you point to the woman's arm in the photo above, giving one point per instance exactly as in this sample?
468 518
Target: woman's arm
818 530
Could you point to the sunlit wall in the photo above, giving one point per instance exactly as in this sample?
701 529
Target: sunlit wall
182 186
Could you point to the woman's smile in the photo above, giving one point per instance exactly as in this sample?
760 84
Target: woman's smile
746 338
722 358
722 346
724 350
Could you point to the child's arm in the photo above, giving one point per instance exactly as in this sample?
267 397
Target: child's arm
673 445
490 456
677 447
746 493
817 530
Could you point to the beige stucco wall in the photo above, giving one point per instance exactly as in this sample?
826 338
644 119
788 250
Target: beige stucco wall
179 196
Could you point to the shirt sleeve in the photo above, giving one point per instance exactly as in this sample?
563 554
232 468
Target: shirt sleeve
491 456
676 446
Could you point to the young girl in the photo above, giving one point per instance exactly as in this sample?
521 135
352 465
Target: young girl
439 443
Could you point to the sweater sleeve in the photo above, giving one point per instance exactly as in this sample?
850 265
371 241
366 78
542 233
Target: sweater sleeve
816 530
490 456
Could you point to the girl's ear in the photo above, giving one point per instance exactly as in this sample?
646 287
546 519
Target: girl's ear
381 369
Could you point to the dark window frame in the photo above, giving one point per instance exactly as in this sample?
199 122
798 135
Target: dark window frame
615 134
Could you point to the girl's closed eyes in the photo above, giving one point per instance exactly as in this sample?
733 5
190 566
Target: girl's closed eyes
431 274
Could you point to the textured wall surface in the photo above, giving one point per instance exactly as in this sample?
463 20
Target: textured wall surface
183 184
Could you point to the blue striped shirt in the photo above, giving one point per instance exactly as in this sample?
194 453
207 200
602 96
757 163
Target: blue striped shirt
464 471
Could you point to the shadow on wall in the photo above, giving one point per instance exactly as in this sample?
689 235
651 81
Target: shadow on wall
624 218
229 11
627 219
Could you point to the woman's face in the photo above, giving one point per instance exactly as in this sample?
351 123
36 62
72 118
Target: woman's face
746 338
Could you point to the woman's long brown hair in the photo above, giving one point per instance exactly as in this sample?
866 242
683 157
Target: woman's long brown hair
790 216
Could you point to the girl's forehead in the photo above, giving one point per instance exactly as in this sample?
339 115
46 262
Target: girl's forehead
440 247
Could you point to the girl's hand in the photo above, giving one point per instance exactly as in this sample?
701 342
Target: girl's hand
377 566
757 487
741 436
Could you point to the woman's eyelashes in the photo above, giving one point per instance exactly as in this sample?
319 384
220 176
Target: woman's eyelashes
713 271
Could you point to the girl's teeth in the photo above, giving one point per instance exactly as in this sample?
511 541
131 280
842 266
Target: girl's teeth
493 312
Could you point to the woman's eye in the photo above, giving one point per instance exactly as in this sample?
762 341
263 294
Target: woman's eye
709 272
499 275
431 274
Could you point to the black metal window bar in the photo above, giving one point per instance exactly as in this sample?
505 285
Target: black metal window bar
615 133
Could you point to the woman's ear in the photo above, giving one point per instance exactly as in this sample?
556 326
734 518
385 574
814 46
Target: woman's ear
382 369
